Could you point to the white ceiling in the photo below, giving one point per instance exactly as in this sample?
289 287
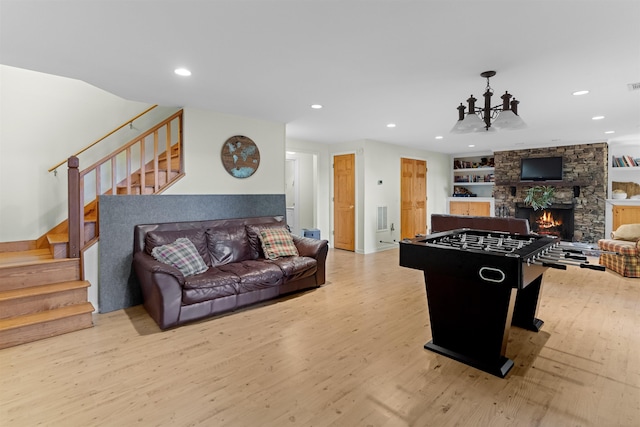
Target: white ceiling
368 62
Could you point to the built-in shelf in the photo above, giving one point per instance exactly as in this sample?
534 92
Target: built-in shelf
483 169
477 171
626 168
464 184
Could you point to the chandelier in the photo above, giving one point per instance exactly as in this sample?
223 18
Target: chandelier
489 118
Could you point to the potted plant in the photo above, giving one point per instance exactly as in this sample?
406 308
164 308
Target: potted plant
539 197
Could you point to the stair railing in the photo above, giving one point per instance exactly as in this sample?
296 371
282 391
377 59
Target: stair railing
113 174
128 122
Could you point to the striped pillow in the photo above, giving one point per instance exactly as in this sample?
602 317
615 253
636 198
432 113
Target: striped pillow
277 242
181 254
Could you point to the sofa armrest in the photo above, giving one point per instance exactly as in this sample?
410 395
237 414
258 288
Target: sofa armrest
307 246
161 286
316 249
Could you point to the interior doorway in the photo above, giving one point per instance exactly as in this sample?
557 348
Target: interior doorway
344 200
413 197
291 194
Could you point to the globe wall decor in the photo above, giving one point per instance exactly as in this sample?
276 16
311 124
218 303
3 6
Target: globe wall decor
240 156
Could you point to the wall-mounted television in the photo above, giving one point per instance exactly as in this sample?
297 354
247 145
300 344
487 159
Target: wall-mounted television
541 169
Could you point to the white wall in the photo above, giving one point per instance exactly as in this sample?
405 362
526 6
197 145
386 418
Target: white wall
382 163
205 132
374 161
43 120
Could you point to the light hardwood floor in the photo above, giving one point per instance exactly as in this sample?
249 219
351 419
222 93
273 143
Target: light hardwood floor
347 354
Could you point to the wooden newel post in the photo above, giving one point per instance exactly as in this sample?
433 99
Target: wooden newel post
74 206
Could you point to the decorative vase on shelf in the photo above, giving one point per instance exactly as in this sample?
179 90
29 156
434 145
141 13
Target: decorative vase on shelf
539 197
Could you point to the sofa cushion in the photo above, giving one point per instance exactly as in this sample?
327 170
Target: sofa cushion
254 274
622 247
629 232
228 244
297 267
276 243
211 284
196 236
253 232
181 254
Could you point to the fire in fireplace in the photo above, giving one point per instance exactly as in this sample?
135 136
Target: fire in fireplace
547 224
556 220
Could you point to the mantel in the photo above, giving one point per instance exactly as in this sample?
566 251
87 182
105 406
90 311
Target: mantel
544 183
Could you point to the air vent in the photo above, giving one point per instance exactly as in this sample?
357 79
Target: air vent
382 218
634 86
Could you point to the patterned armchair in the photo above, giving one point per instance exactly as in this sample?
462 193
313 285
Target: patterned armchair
626 242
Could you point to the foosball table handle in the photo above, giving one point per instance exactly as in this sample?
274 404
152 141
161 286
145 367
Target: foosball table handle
593 267
554 265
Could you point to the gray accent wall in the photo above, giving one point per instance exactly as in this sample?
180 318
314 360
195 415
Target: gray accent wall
118 287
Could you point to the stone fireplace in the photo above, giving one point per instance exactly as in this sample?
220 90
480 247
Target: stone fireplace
583 188
556 220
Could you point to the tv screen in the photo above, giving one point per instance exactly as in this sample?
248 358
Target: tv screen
541 169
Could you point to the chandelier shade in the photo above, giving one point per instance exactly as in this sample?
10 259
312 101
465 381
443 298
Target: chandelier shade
488 118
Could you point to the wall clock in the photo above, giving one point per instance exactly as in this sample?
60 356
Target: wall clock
240 156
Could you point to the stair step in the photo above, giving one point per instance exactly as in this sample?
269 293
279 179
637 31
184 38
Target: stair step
18 302
175 162
149 178
16 275
135 189
18 246
37 326
8 259
58 242
58 245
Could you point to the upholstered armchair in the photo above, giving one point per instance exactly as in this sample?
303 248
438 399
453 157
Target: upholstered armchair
626 242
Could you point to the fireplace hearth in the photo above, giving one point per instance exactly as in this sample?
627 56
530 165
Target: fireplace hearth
556 220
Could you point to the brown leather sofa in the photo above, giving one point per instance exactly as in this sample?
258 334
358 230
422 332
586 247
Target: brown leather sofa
238 273
443 222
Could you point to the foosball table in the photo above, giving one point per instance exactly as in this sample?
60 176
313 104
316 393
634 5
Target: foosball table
479 283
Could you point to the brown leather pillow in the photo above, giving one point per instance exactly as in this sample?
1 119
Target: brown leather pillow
228 244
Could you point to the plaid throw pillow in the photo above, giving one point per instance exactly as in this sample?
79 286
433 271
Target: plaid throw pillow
277 242
181 254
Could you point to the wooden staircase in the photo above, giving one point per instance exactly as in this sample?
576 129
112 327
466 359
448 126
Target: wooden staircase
152 177
42 291
40 296
168 171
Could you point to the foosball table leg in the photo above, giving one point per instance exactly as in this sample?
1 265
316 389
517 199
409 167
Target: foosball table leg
524 314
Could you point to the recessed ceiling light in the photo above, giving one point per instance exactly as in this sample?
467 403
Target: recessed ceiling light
580 92
439 137
610 131
391 125
316 106
597 118
182 72
471 145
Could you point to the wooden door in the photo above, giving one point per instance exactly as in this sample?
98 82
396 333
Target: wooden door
413 197
344 200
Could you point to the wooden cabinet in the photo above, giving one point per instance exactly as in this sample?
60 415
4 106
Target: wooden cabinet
623 214
473 208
